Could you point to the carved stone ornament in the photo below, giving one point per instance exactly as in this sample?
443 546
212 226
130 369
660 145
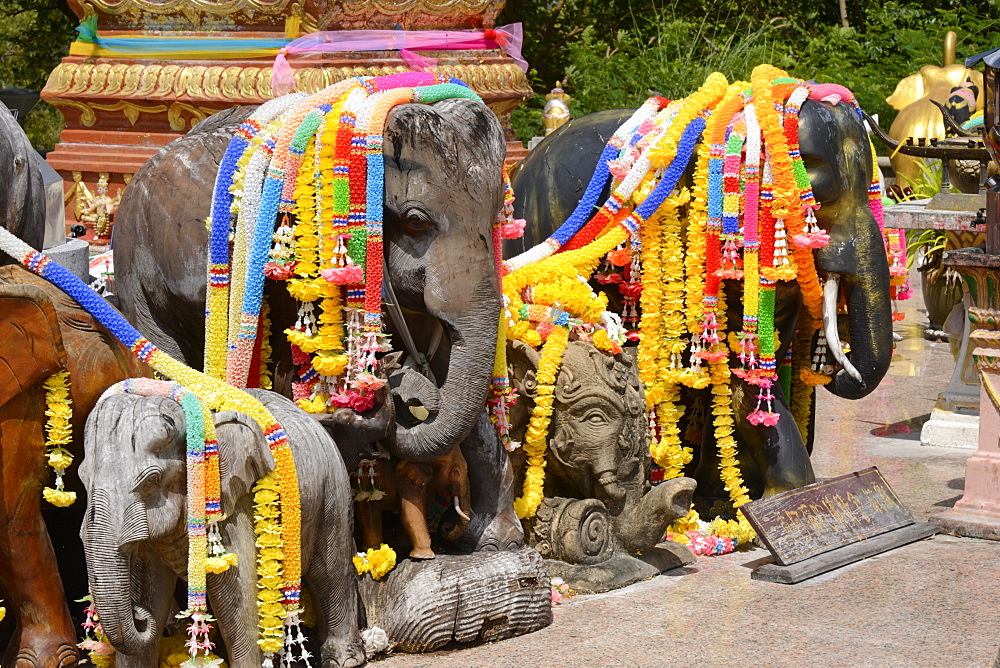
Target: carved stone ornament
600 509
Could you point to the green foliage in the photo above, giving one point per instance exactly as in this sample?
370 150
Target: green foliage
611 53
927 184
34 36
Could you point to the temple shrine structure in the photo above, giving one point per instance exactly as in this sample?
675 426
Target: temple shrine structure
122 106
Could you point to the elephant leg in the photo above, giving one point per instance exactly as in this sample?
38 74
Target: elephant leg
494 524
780 453
29 575
233 593
369 515
413 484
333 586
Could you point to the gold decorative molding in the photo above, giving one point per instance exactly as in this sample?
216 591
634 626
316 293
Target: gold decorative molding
236 84
330 14
176 118
284 15
189 8
87 115
175 112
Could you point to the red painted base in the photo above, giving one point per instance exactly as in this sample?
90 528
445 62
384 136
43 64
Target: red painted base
977 513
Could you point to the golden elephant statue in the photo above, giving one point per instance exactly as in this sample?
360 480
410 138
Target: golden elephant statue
918 116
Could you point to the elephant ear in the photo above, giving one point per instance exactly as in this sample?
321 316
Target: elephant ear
522 365
31 346
244 456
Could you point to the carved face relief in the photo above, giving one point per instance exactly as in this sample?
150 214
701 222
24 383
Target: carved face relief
598 425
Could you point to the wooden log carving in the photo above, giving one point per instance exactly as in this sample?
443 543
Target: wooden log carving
423 605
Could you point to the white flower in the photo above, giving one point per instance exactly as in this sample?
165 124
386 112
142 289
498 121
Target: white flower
375 639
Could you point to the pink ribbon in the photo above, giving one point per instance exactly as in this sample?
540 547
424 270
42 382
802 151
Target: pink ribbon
831 93
509 38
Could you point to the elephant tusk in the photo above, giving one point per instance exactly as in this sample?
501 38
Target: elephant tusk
458 509
831 291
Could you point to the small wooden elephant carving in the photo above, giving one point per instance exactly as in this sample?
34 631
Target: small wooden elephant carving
390 484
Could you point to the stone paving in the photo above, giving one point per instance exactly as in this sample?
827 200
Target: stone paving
932 603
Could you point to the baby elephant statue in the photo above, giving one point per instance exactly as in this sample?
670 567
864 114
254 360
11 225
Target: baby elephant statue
135 534
599 504
410 487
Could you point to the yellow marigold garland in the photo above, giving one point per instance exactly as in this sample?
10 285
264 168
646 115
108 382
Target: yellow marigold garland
536 437
59 434
270 558
266 377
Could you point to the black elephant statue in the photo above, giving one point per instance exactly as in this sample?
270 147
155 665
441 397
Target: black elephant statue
852 269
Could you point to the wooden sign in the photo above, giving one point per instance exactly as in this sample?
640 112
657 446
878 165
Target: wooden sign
824 516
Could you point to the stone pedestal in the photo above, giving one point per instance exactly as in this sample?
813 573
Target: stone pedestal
120 111
954 423
977 513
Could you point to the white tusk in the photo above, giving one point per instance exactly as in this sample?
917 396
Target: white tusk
458 509
831 292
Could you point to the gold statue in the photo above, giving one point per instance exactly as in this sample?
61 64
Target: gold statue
97 208
556 110
918 117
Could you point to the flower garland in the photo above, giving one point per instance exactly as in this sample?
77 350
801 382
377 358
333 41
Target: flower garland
59 434
536 437
502 395
270 561
99 651
748 216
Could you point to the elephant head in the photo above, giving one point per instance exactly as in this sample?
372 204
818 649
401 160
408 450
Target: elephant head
598 445
134 532
443 189
31 346
451 475
837 155
22 199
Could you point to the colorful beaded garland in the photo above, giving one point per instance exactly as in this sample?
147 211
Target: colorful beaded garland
314 165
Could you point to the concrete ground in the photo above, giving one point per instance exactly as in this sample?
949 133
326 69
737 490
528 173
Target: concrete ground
932 603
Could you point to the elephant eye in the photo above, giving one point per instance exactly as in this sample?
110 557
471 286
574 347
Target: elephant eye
595 419
149 479
416 222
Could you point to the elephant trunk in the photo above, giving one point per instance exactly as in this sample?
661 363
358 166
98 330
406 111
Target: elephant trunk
612 486
644 520
870 325
463 395
115 579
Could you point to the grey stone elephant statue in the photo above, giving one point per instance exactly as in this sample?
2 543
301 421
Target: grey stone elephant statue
442 191
135 538
600 504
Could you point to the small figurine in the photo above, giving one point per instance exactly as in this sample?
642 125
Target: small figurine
556 110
